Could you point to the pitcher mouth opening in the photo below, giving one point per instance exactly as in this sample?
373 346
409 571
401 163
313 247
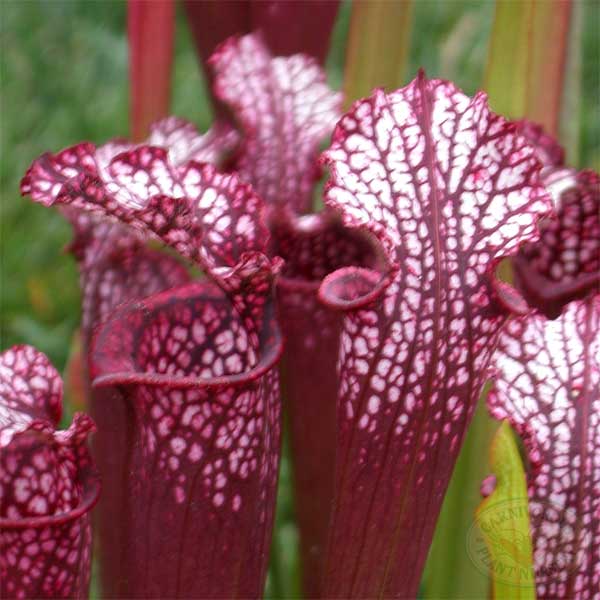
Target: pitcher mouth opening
123 348
314 246
352 288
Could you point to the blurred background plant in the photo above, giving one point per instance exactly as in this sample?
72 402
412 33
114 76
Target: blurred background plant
64 78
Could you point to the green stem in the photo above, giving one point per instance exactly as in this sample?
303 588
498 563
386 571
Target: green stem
527 62
449 572
378 45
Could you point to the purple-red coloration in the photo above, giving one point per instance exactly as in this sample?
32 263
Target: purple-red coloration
107 282
201 393
126 275
211 23
48 174
448 188
547 385
206 216
292 27
150 29
114 263
287 27
285 109
47 481
119 196
312 247
564 265
549 151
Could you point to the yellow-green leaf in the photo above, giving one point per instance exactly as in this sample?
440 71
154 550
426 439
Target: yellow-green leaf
378 45
503 544
527 59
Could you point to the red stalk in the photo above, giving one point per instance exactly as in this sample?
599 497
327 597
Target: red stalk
312 247
287 28
150 29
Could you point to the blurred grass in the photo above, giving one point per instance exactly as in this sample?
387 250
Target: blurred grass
63 77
